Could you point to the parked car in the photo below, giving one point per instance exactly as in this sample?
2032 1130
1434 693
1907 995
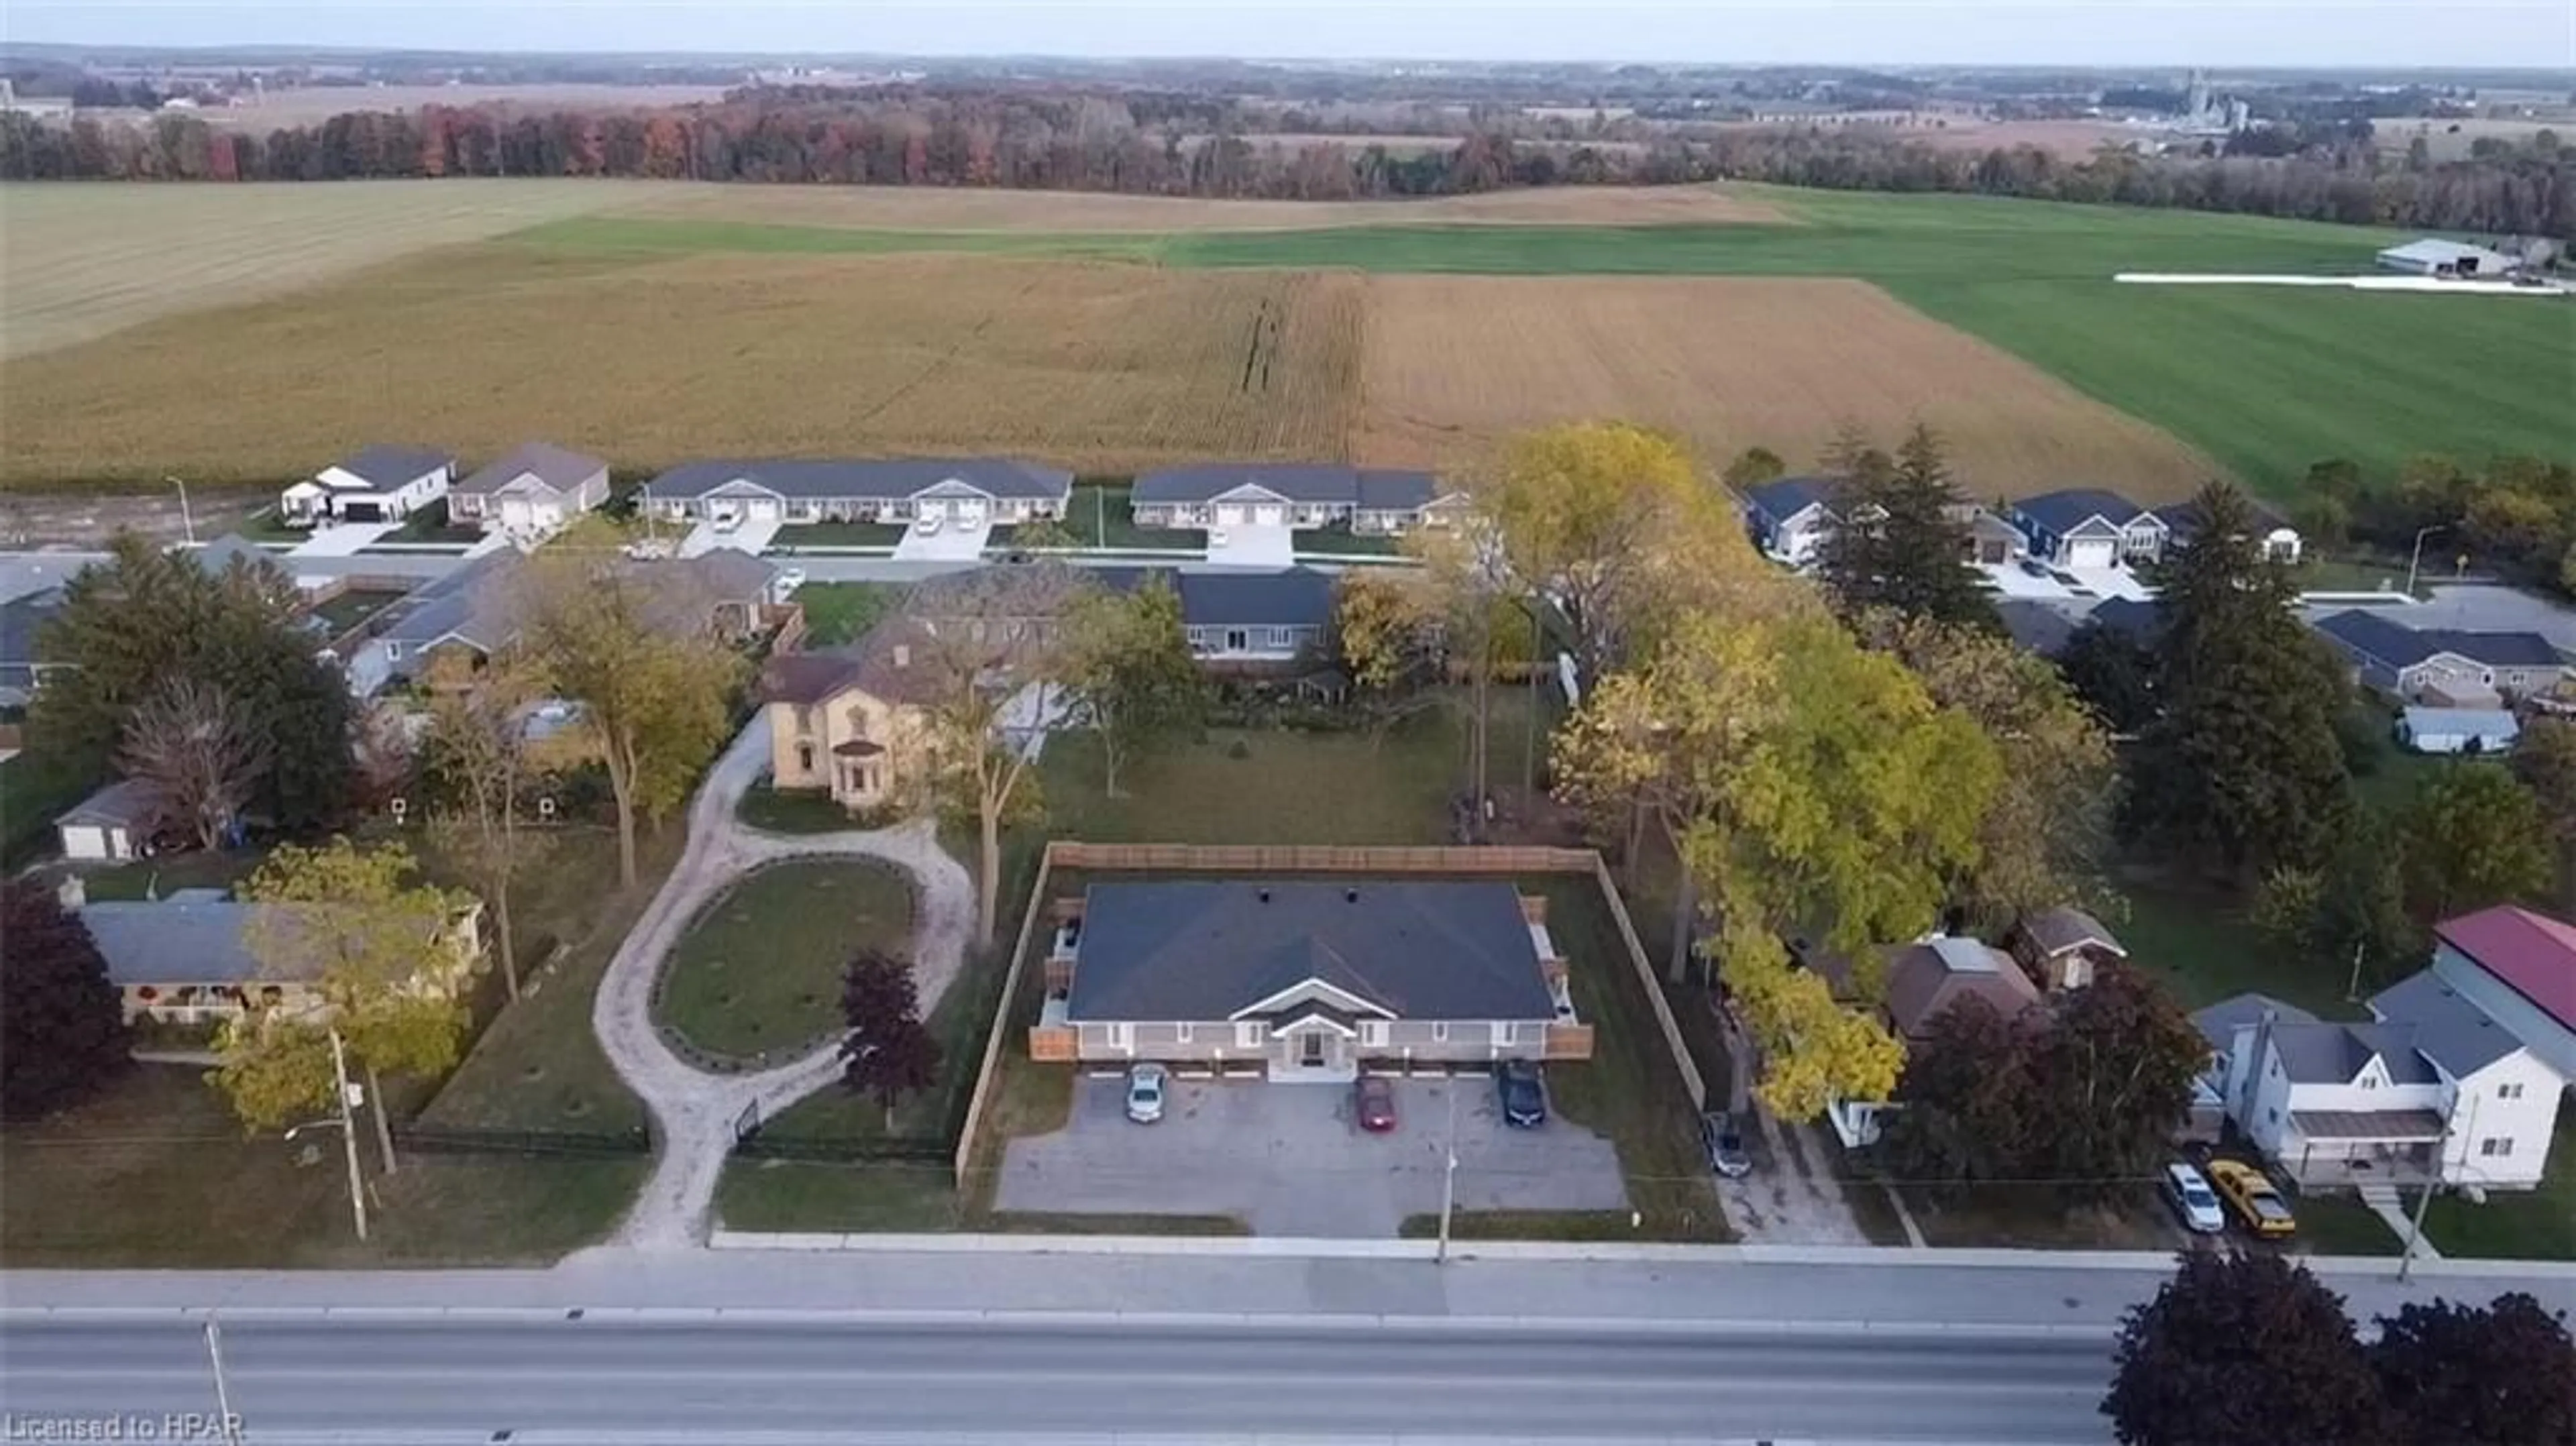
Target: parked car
1148 1086
727 522
2256 1205
1524 1098
2035 568
2188 1192
1216 537
1724 1145
928 526
1374 1101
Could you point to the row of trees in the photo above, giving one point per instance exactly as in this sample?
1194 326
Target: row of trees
2517 515
2252 1350
1140 143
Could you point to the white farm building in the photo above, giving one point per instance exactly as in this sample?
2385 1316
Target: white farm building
2435 257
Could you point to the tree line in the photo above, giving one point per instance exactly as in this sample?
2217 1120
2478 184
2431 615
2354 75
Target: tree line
1147 143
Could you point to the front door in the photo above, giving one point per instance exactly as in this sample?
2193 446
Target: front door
1310 1050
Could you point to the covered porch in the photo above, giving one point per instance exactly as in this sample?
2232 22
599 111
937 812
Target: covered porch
2349 1149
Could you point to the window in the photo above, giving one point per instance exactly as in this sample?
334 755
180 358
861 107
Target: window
2370 1081
1247 1035
1181 1033
1238 640
1373 1033
1440 1031
2509 1091
2496 1147
804 757
2272 1116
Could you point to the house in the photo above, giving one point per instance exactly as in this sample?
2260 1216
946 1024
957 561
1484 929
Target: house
2457 730
22 624
2141 621
970 490
379 484
1306 979
849 720
2279 540
1992 541
478 608
2063 948
1791 517
2432 256
2433 1087
234 550
1307 495
2086 527
1925 981
531 492
2446 667
2519 966
116 823
187 959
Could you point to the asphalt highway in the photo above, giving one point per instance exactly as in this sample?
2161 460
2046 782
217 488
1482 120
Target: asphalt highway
529 1379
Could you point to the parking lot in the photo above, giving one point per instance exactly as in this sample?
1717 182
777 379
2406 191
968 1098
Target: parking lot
1289 1160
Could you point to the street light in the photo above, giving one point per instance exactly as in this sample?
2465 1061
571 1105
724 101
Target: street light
2419 553
185 519
348 1133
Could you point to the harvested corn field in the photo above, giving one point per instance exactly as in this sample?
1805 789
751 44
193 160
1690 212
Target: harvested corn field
1453 363
649 361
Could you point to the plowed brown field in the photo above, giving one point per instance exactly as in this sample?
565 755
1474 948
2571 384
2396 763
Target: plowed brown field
1456 362
476 349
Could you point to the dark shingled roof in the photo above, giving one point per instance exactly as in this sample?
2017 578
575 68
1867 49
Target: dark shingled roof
1786 497
2459 1036
1371 489
2063 511
552 465
218 556
1925 980
22 619
2315 1051
2058 930
2141 620
2184 519
2219 1022
2399 646
2038 625
877 479
1208 949
126 803
387 467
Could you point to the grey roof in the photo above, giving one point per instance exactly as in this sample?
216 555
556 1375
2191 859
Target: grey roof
219 555
2482 722
2435 248
2184 519
2326 1053
174 943
1207 949
1236 597
127 803
1786 497
2036 624
2457 1034
856 478
479 603
2063 511
558 469
22 619
1370 489
2219 1022
385 468
2399 646
2057 930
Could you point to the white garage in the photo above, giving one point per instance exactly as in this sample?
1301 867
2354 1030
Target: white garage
2457 730
2091 552
111 825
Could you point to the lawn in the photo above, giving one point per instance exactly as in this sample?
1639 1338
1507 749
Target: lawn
2535 1225
838 534
157 1173
792 810
538 1065
1102 514
1341 541
430 524
757 975
2199 942
159 877
838 612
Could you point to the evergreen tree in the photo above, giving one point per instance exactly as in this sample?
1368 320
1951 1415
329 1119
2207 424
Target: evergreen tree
1899 545
2241 764
62 1025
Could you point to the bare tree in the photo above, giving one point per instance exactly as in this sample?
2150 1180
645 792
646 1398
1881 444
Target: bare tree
200 751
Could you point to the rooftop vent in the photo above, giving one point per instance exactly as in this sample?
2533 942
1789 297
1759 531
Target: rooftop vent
1262 894
1350 896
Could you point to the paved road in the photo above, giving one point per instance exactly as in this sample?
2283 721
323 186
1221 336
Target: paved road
1033 1380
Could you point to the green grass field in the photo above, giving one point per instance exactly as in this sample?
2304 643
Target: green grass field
760 970
2265 380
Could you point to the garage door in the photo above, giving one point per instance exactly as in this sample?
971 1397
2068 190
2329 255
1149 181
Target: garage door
2090 553
1232 516
84 841
1270 516
764 509
362 512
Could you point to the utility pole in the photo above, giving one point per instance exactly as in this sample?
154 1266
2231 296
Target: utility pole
1449 1171
348 1133
2441 1152
2352 990
230 1423
186 519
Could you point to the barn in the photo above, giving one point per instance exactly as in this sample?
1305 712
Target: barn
2435 257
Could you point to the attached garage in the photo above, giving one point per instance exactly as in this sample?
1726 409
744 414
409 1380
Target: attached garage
368 509
1231 515
765 509
2092 552
1270 516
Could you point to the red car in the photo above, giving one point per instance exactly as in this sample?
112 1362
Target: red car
1376 1106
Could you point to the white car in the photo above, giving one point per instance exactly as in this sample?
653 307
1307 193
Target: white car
1216 537
928 526
790 579
730 522
1148 1086
2193 1202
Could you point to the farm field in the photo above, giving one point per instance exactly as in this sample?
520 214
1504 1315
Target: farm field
1454 363
80 261
1055 213
651 360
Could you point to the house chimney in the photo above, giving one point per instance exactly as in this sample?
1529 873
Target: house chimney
73 893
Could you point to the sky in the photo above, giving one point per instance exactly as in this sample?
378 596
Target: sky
2212 33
